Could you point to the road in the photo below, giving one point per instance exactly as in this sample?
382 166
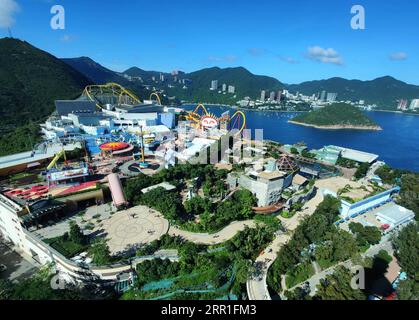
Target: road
211 239
257 288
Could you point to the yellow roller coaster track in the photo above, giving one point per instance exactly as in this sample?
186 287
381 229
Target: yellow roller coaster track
157 97
202 107
114 88
237 114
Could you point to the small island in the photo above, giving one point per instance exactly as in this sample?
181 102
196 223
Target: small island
336 117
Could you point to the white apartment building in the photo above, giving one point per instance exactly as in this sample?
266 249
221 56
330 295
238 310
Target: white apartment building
414 104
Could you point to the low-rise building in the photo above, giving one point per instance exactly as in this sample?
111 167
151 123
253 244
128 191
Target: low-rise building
350 210
329 154
393 216
267 186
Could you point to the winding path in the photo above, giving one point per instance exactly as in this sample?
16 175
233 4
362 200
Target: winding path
216 238
257 288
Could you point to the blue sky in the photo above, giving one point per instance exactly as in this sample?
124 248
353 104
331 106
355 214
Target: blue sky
292 40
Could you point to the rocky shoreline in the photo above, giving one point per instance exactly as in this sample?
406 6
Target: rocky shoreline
338 127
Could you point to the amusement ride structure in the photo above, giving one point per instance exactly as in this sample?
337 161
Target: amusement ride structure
114 94
110 93
201 118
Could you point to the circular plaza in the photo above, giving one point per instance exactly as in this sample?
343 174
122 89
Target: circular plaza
129 229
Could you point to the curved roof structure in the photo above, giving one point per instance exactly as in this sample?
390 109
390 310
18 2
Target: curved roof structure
114 146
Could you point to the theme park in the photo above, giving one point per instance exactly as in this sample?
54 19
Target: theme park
147 201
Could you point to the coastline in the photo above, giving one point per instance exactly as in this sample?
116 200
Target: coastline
397 111
241 108
285 111
338 127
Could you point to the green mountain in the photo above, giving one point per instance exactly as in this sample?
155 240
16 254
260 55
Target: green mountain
385 91
94 71
245 83
30 81
146 76
198 84
338 115
98 74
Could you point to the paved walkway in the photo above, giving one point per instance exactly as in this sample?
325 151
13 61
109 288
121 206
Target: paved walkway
210 239
91 214
128 229
171 254
257 288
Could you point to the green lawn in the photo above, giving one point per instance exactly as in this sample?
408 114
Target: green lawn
67 248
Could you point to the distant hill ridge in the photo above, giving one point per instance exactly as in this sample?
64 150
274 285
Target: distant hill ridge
384 91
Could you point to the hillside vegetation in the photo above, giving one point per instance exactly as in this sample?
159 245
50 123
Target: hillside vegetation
384 91
198 88
338 114
245 83
99 74
30 81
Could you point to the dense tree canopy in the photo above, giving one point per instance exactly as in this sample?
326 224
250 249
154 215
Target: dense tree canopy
406 245
338 246
365 236
313 229
337 286
335 114
212 216
99 251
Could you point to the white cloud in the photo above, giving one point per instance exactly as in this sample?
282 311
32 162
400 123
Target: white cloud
228 58
398 56
323 55
66 37
8 8
289 60
256 51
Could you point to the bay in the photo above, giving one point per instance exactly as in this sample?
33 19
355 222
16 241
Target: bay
397 144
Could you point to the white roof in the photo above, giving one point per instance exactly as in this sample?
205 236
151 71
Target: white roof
197 145
25 157
165 185
359 156
157 129
394 213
